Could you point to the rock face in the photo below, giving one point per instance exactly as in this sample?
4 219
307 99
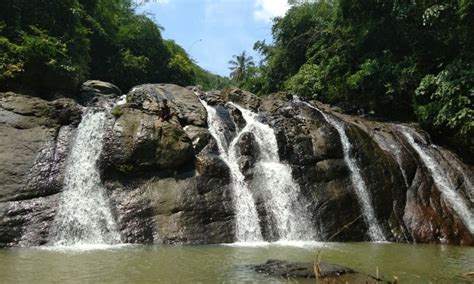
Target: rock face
34 144
167 184
163 188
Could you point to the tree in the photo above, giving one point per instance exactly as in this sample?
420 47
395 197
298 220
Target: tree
396 59
240 66
48 48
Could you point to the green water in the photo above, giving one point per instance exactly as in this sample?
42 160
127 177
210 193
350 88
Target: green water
218 264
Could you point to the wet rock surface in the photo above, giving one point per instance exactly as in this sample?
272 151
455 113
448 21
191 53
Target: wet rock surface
35 140
332 273
167 184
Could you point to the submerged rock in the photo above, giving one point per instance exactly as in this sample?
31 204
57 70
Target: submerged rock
332 273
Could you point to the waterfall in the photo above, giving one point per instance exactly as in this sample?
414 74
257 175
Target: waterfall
457 164
274 180
375 232
440 177
393 147
83 215
246 216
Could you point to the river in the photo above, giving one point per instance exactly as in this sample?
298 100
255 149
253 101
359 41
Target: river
227 263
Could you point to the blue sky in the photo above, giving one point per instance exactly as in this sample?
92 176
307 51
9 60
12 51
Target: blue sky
211 31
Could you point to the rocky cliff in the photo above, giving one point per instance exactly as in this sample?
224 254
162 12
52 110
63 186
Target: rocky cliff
166 182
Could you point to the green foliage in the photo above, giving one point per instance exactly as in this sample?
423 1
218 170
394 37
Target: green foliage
376 55
180 65
254 81
49 47
209 81
445 100
239 67
44 46
10 64
307 82
47 64
40 61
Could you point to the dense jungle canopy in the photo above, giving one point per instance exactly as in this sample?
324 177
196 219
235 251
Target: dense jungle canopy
47 48
392 59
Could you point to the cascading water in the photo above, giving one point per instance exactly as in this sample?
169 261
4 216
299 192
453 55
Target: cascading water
84 216
457 164
375 231
246 219
393 147
441 179
274 179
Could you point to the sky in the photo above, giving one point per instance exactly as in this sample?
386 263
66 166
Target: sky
211 31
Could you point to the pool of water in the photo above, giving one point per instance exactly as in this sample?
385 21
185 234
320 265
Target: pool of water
227 263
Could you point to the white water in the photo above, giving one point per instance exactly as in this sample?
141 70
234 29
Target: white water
375 232
246 216
274 180
84 217
457 164
441 179
393 147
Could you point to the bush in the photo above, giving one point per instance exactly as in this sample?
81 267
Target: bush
307 82
444 103
38 61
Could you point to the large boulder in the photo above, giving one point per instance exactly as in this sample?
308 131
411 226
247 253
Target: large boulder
183 210
93 91
184 102
243 98
166 181
139 142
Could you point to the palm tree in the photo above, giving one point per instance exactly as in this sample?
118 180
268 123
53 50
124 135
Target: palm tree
240 65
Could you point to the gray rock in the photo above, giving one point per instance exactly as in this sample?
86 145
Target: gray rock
36 137
212 166
213 98
199 136
140 142
167 183
248 153
243 98
192 211
93 91
182 101
331 273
